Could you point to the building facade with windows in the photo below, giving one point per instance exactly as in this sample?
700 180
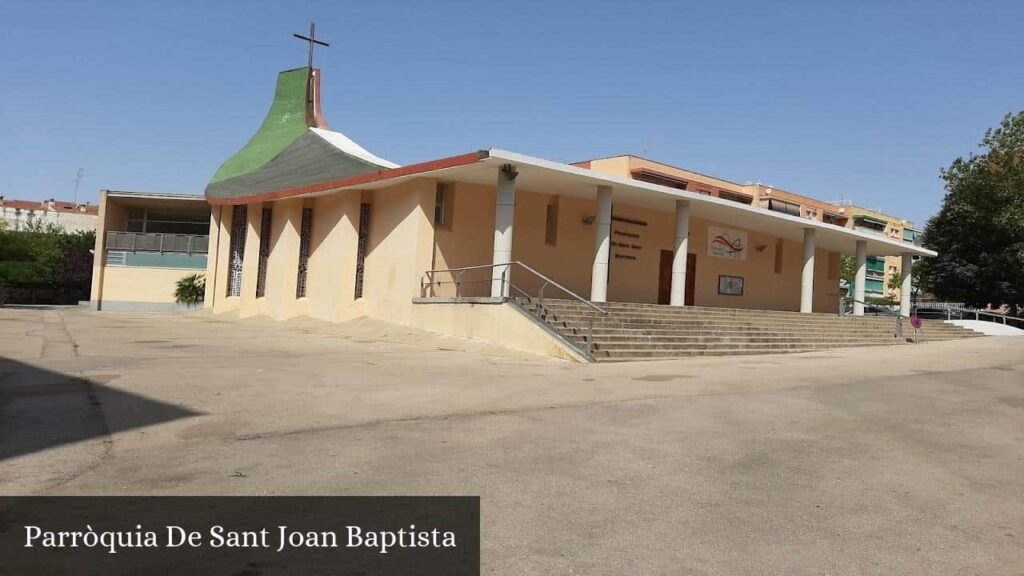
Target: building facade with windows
757 195
883 272
305 222
69 216
145 243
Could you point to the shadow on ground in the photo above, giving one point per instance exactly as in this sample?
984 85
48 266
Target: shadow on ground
42 409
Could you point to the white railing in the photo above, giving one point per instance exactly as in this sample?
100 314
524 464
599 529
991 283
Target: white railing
959 311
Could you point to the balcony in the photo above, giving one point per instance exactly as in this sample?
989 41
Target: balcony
912 236
141 242
142 250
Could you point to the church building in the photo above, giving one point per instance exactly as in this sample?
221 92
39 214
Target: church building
305 222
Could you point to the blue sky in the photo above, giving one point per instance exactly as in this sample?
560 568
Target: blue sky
864 101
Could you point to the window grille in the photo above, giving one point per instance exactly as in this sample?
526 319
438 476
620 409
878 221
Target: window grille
239 219
304 238
261 273
364 235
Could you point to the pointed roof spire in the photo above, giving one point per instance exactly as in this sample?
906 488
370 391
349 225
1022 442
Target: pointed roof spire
293 147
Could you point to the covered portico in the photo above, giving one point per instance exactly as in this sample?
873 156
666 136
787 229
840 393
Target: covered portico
786 262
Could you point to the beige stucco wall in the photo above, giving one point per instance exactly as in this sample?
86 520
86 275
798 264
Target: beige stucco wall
99 250
149 285
400 249
111 216
332 264
218 262
403 244
130 288
637 280
468 242
570 260
250 260
496 323
213 268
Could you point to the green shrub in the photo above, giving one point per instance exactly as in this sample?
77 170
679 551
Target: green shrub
190 290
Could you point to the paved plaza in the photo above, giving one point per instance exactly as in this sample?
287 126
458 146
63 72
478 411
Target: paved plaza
892 460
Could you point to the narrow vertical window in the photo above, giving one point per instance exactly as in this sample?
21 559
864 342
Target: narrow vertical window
304 237
261 275
551 223
239 220
364 236
444 205
778 256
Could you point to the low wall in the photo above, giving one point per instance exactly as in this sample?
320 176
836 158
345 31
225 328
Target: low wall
988 328
133 289
499 324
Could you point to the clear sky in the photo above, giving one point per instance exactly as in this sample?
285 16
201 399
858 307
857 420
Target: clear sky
858 100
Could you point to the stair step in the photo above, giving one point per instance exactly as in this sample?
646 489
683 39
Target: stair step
650 332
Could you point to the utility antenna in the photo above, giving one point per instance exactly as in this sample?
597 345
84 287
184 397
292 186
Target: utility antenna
78 181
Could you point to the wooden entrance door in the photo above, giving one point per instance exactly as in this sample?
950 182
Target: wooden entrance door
665 278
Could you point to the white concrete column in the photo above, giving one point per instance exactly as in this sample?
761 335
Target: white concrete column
677 296
602 245
807 275
907 286
859 279
503 216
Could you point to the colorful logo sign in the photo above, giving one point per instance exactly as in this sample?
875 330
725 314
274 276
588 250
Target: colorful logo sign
727 243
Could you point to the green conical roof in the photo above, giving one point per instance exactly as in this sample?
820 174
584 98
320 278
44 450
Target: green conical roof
293 147
284 124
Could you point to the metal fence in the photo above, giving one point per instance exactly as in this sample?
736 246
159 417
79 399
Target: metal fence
140 242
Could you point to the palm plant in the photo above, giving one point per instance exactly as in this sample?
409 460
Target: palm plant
190 290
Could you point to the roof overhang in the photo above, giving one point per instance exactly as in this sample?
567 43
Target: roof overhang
156 196
536 174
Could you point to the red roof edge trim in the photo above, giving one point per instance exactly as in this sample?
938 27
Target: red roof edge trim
412 169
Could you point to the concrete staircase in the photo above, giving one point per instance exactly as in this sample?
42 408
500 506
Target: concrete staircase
653 332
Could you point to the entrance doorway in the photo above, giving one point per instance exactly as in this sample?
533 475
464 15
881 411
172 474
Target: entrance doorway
665 278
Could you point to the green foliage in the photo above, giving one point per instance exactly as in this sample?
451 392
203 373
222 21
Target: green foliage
848 270
979 232
190 290
895 282
41 254
880 300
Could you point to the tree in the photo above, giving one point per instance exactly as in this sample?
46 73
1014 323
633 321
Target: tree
895 282
40 259
979 232
848 271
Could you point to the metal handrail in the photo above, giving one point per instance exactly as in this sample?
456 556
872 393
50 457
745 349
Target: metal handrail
507 265
457 273
886 311
547 281
952 307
